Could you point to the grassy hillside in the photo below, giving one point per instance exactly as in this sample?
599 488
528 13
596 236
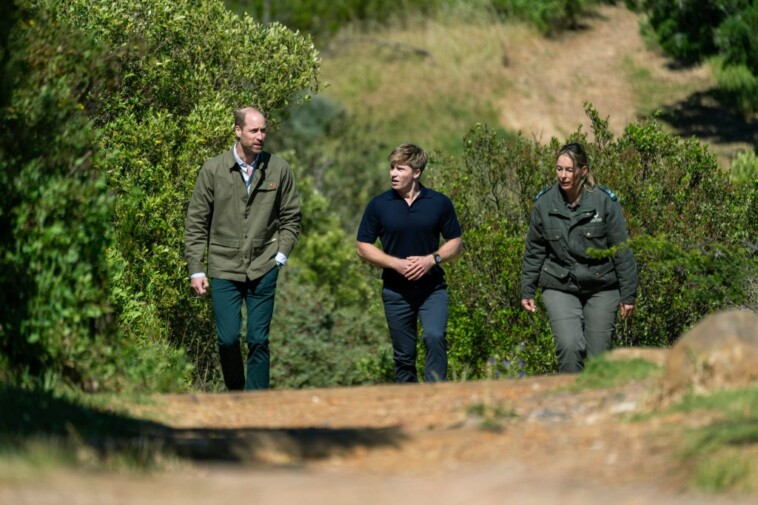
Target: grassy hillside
429 81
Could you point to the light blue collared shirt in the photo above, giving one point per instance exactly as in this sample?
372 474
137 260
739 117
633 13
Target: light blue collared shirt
248 178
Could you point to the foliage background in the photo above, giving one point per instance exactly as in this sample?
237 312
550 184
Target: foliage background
109 109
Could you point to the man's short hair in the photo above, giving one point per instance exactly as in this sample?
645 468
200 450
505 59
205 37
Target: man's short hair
241 113
409 154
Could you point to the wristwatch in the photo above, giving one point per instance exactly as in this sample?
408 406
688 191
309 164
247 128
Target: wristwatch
437 258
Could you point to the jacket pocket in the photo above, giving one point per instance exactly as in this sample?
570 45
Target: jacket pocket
265 195
259 245
553 234
226 242
223 250
594 231
555 241
594 236
554 276
555 270
597 277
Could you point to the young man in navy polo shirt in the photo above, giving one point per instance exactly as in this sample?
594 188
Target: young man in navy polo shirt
409 220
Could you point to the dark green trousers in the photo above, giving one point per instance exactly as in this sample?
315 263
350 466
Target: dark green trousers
583 325
259 297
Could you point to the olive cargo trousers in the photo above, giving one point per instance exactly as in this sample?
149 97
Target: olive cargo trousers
583 325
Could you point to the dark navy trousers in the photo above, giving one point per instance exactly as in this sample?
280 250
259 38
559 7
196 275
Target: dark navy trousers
404 309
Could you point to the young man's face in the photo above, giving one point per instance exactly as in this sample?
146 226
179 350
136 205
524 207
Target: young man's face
252 135
402 177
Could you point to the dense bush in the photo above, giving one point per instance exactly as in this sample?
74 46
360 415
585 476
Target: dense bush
55 211
56 324
329 327
694 31
744 169
99 187
737 39
688 224
323 19
738 85
346 163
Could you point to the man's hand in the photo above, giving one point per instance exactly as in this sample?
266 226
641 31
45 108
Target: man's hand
418 266
200 284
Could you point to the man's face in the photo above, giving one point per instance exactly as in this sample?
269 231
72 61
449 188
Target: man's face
402 177
252 135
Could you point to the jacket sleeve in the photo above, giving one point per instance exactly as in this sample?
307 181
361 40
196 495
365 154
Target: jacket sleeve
623 261
534 256
289 213
198 221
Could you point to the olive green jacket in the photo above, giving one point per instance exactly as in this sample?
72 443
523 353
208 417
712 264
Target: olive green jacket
557 243
242 233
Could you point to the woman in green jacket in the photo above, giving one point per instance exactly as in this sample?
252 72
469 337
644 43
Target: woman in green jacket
581 293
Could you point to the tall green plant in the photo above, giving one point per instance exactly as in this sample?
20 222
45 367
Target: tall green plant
183 67
54 315
329 326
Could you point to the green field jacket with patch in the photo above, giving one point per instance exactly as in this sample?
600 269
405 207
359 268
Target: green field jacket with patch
558 240
242 233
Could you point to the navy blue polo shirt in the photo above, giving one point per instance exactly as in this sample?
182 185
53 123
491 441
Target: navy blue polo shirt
410 230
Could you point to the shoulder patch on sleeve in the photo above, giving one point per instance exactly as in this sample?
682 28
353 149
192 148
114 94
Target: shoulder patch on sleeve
608 192
542 193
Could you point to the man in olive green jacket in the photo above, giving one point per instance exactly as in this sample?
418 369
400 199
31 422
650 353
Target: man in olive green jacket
245 211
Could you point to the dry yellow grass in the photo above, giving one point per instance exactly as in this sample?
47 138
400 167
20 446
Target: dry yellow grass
431 81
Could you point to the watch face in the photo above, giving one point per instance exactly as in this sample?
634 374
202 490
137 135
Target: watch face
437 259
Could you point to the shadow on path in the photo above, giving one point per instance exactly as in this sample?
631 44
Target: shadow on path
41 416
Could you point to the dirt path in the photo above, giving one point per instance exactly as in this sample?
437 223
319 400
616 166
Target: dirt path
552 78
537 442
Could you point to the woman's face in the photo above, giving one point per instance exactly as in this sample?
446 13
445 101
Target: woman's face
570 177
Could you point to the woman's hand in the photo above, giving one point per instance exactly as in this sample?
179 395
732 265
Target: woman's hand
529 305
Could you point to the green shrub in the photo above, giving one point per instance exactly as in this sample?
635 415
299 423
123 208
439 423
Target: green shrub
744 169
184 66
739 86
318 343
685 29
737 38
328 327
54 318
